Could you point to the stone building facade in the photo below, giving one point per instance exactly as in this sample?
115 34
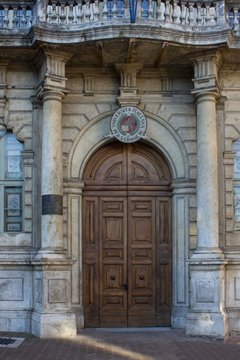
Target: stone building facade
95 231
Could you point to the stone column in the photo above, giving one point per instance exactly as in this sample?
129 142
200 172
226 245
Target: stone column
207 266
52 179
52 314
207 175
206 92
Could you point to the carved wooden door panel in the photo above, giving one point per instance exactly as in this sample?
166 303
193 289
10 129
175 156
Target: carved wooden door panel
141 261
113 261
126 239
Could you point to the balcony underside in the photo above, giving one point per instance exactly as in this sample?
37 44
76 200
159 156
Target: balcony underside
105 54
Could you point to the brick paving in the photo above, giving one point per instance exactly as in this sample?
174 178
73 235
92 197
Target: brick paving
123 344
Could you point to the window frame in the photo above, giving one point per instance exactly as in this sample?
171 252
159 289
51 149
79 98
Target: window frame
9 183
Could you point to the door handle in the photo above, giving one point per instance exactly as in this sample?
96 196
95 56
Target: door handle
125 286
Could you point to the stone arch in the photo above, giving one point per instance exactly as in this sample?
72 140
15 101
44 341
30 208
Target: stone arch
159 133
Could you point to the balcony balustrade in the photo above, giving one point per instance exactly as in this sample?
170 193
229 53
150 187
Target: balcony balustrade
16 15
194 15
163 12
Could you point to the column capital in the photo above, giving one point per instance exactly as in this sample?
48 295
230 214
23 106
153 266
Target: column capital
51 64
50 93
206 67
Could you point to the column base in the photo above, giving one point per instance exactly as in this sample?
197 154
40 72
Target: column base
206 324
207 254
47 325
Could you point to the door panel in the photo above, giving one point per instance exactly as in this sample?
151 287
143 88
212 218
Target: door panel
90 261
112 261
127 238
141 241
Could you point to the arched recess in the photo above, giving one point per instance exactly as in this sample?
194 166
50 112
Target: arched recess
164 139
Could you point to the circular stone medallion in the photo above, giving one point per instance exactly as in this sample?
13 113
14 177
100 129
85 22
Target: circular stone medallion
128 124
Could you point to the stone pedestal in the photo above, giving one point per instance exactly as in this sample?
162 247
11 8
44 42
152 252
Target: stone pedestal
52 316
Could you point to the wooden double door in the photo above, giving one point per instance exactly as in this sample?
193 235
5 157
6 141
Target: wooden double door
126 238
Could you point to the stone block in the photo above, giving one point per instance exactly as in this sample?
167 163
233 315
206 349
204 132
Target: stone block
53 325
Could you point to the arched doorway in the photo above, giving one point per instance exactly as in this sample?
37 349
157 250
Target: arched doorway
127 237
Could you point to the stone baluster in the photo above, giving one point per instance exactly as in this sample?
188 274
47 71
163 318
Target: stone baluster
62 16
191 14
175 15
160 12
96 12
199 14
53 16
79 13
208 16
87 13
6 18
49 13
70 14
105 10
167 11
150 10
15 18
183 13
114 9
24 19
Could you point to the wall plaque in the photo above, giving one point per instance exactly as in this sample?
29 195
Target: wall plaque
128 124
52 204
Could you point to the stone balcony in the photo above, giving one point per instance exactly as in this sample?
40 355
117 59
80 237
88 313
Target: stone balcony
199 22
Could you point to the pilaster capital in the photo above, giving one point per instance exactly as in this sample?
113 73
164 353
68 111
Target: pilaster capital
128 83
206 68
128 73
